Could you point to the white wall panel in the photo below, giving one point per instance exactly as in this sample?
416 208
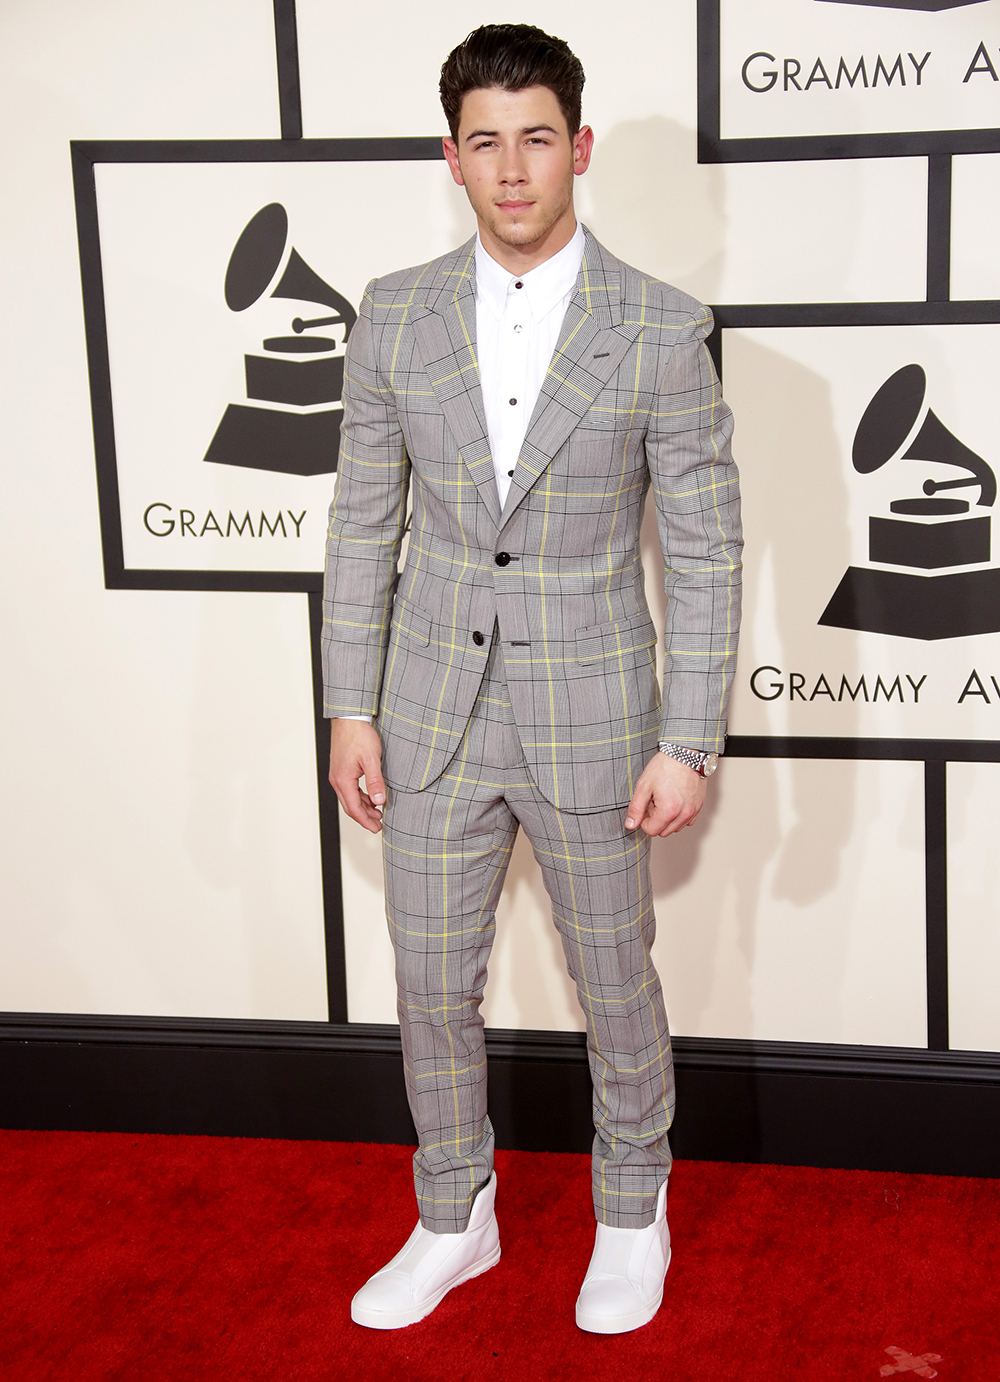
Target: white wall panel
798 395
975 213
163 856
833 231
974 906
795 910
738 233
159 842
112 69
792 68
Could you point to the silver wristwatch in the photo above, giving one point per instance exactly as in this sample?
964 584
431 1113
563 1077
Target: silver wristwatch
703 763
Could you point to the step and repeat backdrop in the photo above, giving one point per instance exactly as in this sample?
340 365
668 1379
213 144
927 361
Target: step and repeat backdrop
825 173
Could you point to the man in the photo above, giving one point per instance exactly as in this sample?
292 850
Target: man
527 391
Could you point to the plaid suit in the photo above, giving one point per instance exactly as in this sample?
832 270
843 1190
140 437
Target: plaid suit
514 657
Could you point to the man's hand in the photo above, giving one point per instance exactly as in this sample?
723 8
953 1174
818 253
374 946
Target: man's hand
667 797
356 752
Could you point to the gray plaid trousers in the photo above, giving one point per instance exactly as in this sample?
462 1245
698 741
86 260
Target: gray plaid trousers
446 851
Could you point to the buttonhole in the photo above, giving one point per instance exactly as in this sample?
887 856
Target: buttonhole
520 643
601 354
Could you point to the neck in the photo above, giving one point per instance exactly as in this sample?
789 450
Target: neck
521 259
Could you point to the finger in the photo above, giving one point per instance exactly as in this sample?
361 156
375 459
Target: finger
684 817
662 817
373 813
636 811
373 780
357 804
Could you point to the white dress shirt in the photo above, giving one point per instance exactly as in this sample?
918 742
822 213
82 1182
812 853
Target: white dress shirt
518 320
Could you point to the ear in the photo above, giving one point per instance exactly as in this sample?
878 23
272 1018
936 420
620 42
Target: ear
451 154
583 147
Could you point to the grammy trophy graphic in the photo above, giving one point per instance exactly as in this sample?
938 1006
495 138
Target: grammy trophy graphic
930 532
296 373
932 5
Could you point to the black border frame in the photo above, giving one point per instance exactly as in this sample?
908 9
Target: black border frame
935 754
712 148
286 52
86 154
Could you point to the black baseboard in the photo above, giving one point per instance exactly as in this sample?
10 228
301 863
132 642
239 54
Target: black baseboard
879 1109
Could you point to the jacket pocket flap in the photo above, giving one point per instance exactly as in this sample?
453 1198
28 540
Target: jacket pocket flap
623 637
412 622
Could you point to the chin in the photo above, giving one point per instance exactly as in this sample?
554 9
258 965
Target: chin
517 234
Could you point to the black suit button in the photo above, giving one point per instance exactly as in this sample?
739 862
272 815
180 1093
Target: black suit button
478 639
502 559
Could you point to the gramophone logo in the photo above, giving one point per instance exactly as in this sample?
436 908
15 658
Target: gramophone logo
298 379
933 538
926 5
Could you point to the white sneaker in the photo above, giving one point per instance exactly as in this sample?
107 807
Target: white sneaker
421 1275
624 1283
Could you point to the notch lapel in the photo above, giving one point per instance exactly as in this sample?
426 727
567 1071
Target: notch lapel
592 344
446 335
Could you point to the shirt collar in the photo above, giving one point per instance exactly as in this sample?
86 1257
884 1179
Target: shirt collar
545 286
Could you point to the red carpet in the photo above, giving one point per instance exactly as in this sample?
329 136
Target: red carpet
159 1258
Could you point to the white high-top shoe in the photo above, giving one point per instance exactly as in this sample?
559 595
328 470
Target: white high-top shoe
425 1270
624 1283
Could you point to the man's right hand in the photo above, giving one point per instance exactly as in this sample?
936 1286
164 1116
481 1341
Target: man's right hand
355 753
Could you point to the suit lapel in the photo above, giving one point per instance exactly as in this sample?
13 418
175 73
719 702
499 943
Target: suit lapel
446 335
592 343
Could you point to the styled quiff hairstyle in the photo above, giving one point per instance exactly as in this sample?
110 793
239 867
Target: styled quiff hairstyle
512 57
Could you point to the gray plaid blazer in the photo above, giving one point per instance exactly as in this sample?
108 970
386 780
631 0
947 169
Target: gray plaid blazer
631 400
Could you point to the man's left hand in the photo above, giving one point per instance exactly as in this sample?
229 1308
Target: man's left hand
667 797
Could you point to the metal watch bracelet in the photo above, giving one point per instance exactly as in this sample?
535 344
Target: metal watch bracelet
703 763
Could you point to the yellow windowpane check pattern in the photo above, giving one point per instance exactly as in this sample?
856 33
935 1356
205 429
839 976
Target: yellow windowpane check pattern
553 733
446 854
631 403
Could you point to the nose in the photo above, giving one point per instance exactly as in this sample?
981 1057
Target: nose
512 169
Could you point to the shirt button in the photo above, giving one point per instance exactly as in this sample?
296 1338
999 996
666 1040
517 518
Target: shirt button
502 559
478 639
518 328
510 472
513 402
518 284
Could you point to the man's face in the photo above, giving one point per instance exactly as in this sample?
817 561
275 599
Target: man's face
516 159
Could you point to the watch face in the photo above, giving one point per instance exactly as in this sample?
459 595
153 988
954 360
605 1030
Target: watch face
710 765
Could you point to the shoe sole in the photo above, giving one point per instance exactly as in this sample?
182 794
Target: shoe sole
620 1324
399 1319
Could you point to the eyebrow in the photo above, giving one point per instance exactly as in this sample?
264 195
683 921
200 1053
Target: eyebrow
492 134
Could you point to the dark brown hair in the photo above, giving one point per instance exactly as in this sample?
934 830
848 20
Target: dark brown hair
512 57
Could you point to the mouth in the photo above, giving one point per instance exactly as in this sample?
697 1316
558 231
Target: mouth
513 207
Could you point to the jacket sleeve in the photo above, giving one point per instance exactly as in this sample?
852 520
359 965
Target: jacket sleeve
367 519
696 488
